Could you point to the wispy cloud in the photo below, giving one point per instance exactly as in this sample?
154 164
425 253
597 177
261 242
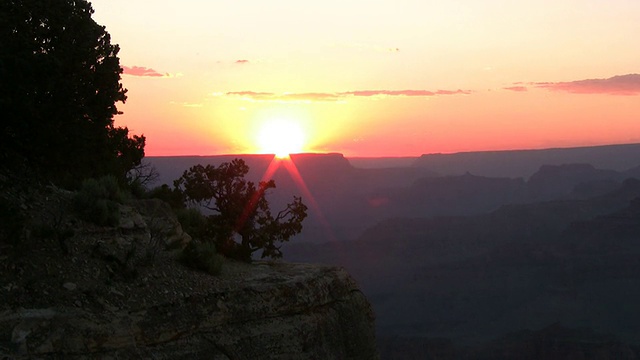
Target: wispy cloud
145 72
338 96
310 97
618 85
252 95
368 93
286 97
242 61
517 88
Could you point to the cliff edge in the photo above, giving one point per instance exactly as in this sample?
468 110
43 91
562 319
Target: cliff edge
108 293
276 311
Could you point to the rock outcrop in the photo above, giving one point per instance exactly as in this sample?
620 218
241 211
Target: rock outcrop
277 311
120 292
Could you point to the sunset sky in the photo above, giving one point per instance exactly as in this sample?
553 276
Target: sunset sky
377 77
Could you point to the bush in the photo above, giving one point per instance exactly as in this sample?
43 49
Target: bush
97 201
140 177
173 197
137 190
109 184
202 256
193 222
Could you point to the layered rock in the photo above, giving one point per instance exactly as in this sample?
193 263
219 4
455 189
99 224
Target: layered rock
277 311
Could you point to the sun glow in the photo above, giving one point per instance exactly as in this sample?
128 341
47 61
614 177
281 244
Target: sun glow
281 137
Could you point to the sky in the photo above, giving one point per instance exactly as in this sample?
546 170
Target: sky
377 77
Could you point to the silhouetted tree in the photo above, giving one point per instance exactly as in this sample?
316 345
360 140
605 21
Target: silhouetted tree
143 175
59 85
240 208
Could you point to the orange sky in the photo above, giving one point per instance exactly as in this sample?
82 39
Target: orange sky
378 78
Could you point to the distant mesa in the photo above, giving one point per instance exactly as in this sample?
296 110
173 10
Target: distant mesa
321 161
523 163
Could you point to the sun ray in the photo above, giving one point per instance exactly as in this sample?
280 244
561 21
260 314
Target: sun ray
313 204
250 207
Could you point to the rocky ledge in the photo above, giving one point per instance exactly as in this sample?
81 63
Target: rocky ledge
120 293
277 311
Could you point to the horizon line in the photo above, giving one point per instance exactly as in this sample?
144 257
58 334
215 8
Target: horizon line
404 156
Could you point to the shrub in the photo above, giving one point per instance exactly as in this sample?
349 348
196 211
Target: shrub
193 222
112 189
202 256
137 190
173 197
97 201
140 177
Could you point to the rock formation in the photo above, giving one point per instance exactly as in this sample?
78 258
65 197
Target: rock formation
270 311
103 296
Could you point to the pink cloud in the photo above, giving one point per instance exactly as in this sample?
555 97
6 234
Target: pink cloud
618 85
141 71
253 95
146 72
242 61
517 88
266 96
405 92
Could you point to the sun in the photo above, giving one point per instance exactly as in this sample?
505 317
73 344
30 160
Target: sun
281 137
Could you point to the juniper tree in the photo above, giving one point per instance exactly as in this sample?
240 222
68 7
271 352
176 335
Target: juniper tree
240 207
59 85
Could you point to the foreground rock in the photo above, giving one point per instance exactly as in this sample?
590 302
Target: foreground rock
120 293
277 311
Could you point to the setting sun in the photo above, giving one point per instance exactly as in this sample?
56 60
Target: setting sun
281 137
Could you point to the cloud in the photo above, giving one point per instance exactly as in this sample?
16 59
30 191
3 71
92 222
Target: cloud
310 97
286 97
618 85
146 72
368 93
517 88
252 95
339 96
242 61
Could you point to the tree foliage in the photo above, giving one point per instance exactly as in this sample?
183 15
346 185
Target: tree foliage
59 85
240 209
